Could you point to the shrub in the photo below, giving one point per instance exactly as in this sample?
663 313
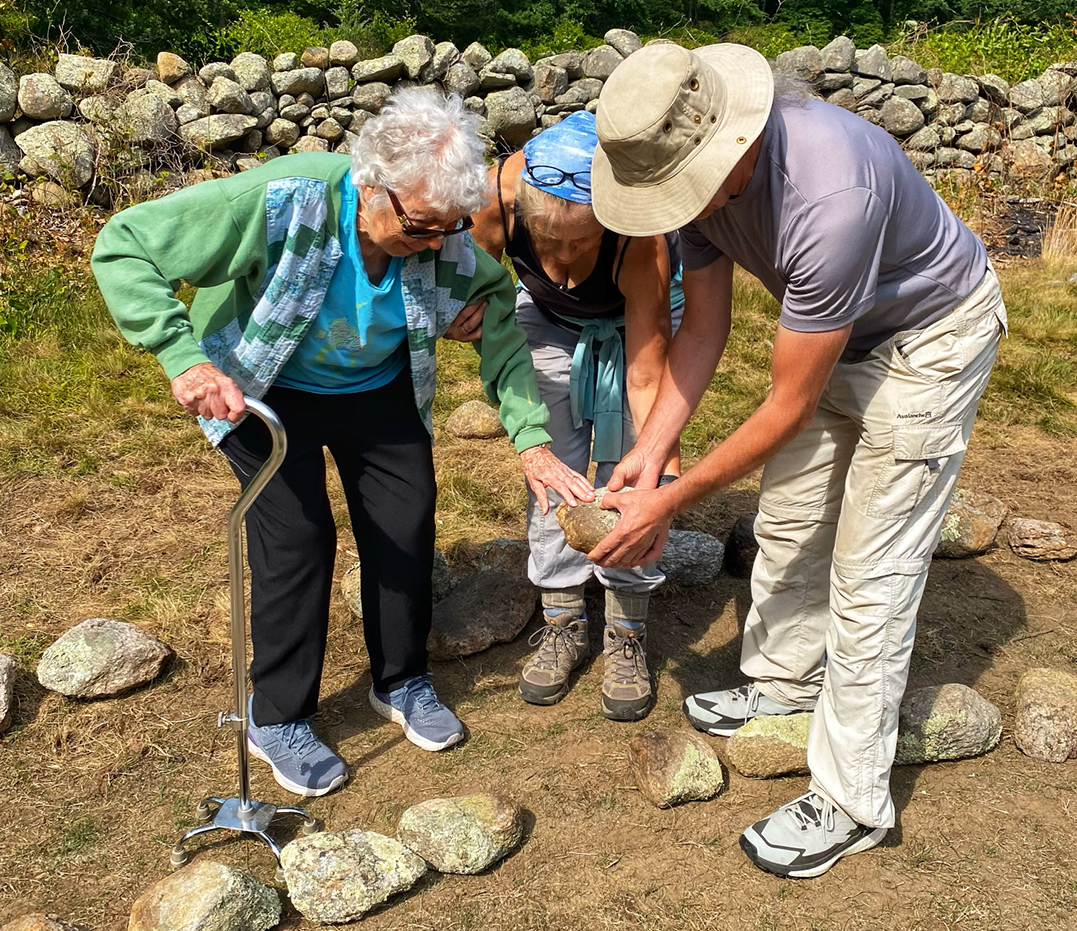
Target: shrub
268 33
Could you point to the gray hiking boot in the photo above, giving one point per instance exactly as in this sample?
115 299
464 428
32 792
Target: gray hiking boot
561 647
626 684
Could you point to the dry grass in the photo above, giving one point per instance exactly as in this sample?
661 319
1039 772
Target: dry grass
1060 240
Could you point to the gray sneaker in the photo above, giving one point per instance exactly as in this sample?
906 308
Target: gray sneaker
416 707
720 714
806 837
299 760
561 647
626 683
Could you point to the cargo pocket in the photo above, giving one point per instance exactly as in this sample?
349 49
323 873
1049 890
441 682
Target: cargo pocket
919 455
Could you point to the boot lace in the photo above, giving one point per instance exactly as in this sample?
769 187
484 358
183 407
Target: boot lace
552 640
629 661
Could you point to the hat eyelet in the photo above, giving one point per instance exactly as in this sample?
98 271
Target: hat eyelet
697 118
668 128
693 84
714 119
741 140
698 140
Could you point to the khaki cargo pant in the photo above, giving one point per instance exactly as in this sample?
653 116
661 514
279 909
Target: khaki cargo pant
850 512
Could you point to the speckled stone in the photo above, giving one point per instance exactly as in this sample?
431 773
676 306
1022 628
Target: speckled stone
1045 726
101 657
588 522
771 745
936 723
206 896
1041 540
946 722
486 608
970 525
340 877
508 556
672 767
691 558
475 420
462 835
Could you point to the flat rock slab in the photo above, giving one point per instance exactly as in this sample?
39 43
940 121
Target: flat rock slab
672 767
41 922
7 690
206 896
740 549
1045 726
691 558
475 420
586 524
970 525
486 608
937 723
1041 540
443 581
508 556
462 835
101 657
340 877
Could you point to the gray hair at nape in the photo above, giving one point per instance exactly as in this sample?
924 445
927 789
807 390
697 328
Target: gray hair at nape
544 213
428 145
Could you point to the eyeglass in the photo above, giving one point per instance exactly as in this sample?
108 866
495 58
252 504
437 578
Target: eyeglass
409 228
548 176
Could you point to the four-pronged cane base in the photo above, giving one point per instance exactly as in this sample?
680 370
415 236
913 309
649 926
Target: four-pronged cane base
232 816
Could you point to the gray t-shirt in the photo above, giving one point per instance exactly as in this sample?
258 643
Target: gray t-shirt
839 226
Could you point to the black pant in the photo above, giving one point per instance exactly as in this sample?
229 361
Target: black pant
382 452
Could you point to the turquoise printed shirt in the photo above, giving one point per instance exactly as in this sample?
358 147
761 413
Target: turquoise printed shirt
357 340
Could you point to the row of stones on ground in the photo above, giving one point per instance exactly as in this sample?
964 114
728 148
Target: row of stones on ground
339 877
493 604
937 723
948 122
330 877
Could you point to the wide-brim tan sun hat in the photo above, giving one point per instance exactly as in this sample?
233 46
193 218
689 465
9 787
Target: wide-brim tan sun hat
672 124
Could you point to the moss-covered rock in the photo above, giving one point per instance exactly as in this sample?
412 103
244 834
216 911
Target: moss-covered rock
672 767
462 835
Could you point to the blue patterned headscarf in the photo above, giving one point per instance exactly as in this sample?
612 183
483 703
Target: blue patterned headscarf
564 149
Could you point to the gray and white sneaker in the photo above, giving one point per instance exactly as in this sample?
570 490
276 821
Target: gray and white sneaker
416 707
806 837
299 760
721 713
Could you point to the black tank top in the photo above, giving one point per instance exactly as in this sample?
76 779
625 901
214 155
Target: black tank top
595 297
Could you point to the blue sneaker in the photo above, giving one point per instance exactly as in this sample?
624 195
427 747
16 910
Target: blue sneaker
415 707
299 760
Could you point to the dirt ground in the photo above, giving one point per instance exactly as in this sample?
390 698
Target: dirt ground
95 793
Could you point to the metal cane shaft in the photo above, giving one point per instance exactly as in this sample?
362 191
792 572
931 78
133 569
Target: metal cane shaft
235 575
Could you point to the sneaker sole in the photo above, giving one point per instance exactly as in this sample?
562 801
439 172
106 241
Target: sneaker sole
388 712
865 843
285 782
533 699
714 730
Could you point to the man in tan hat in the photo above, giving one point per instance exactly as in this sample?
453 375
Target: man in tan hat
890 322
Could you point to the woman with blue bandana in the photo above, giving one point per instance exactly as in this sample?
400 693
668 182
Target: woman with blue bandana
596 310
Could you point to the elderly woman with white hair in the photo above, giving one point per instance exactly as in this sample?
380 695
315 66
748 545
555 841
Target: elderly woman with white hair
596 308
323 285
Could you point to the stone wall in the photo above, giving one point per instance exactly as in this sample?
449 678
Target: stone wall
91 118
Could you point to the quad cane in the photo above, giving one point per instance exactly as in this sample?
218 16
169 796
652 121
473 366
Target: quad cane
243 814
